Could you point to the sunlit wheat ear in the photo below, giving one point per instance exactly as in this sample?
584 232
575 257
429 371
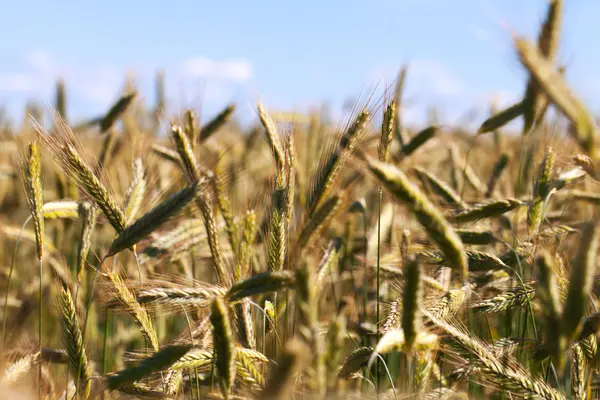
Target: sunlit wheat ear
281 381
583 269
438 229
89 215
220 188
245 324
94 188
203 200
136 191
204 204
328 265
19 370
169 295
550 31
73 342
155 218
62 209
587 164
387 132
447 306
578 372
513 298
190 127
394 340
186 153
411 302
63 148
248 364
498 372
197 359
224 346
329 170
273 138
534 100
424 370
218 121
172 382
242 267
559 93
140 316
542 191
278 233
33 185
290 171
159 361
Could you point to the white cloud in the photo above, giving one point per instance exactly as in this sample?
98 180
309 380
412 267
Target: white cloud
17 83
98 85
233 69
436 77
42 63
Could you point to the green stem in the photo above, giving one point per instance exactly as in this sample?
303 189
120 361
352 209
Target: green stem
107 324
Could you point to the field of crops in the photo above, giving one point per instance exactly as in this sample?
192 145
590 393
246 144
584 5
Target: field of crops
145 255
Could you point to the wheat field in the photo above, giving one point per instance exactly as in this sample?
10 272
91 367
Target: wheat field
145 255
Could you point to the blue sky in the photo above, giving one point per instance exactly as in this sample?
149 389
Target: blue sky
289 55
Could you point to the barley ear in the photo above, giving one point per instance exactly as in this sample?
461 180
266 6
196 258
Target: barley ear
273 138
541 192
116 111
438 229
411 302
154 218
90 216
136 191
387 132
224 347
216 123
158 361
73 342
33 186
551 308
581 279
243 262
